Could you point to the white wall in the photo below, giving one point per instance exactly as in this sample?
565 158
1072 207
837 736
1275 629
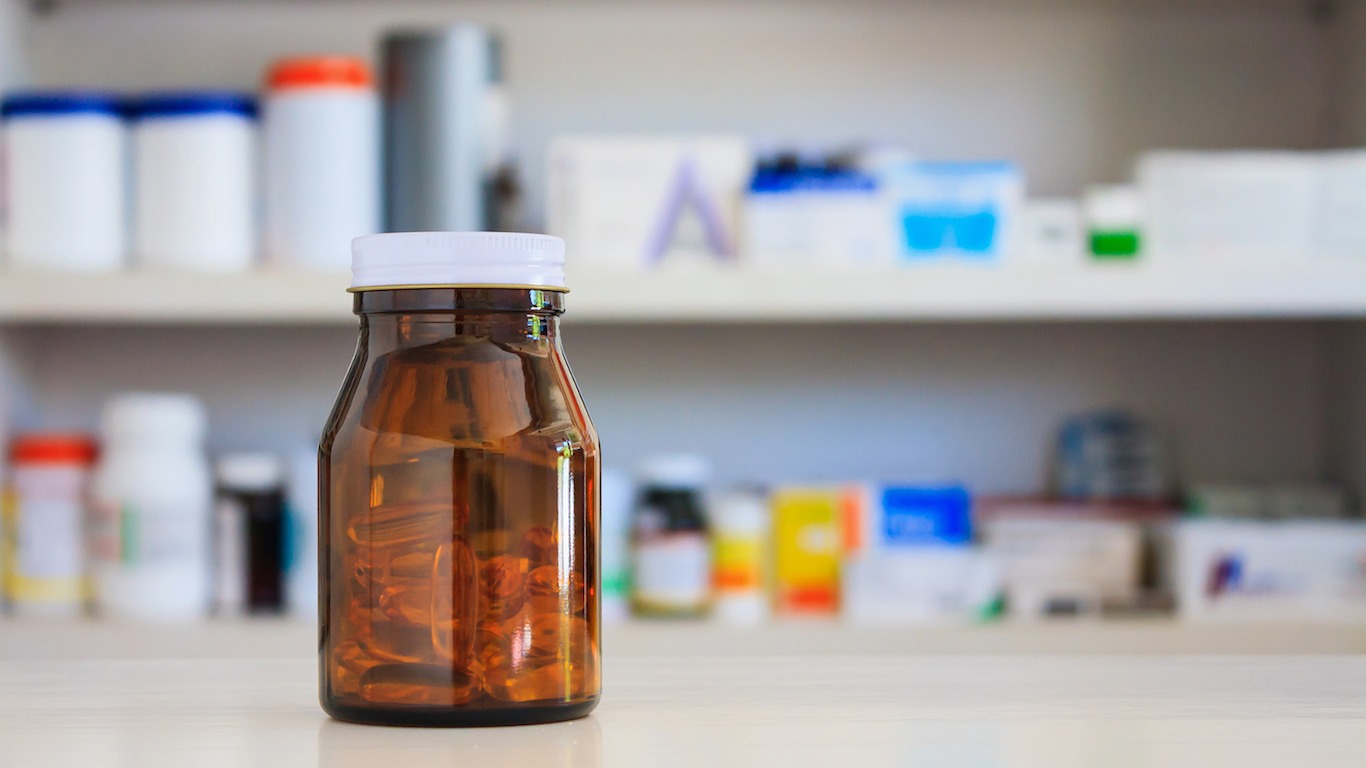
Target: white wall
1072 90
972 402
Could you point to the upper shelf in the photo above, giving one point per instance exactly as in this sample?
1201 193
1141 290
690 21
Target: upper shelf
701 293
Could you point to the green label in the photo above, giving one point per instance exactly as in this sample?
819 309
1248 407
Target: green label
1114 245
130 545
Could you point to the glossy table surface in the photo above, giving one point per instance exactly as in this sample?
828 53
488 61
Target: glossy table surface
748 709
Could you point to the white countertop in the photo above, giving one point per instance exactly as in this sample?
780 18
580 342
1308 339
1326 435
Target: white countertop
805 706
777 711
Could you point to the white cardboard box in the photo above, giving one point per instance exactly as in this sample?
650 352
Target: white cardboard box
623 200
1050 561
1264 570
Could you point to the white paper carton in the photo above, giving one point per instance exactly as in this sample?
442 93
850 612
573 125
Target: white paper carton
1259 571
627 201
1238 208
1056 565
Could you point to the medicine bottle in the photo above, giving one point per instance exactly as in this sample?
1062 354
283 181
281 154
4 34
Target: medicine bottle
151 509
671 566
43 514
249 535
458 492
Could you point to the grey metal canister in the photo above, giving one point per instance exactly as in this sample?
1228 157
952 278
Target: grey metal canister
437 124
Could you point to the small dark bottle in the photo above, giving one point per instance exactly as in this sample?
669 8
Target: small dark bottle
249 535
671 568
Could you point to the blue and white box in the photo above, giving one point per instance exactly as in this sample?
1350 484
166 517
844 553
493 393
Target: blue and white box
813 215
960 210
909 558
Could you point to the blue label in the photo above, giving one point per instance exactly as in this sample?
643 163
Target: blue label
919 516
930 232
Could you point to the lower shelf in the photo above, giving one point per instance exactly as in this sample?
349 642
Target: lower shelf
26 640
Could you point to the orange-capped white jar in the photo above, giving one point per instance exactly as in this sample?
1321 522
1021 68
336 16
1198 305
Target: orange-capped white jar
320 119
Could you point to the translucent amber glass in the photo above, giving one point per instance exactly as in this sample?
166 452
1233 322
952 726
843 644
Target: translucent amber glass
459 503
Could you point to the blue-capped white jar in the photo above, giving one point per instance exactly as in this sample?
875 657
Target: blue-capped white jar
194 181
64 181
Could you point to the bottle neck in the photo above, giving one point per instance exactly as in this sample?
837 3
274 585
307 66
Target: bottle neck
415 316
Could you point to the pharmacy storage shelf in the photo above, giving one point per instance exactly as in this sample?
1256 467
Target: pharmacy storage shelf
706 293
22 640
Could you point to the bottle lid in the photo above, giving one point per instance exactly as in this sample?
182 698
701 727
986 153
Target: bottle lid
51 103
53 448
457 259
319 72
194 104
681 471
1113 206
249 471
164 416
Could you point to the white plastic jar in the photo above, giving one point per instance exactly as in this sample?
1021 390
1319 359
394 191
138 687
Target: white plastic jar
194 181
64 181
152 501
320 125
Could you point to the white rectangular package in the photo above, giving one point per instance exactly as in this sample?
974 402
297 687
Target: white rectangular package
1057 565
1267 571
956 210
623 201
918 585
835 227
1236 208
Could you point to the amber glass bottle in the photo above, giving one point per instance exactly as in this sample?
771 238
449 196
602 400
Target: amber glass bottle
458 493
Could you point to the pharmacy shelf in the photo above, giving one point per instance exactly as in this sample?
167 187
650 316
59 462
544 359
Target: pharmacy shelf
717 293
27 640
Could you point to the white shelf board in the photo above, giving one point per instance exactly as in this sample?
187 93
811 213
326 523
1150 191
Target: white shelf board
706 293
32 640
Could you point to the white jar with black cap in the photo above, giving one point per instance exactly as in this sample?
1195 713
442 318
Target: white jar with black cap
671 554
64 181
194 181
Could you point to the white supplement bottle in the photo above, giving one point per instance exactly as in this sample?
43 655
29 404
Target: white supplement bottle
64 185
151 510
320 129
194 181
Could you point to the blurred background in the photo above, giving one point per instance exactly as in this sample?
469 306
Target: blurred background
1018 325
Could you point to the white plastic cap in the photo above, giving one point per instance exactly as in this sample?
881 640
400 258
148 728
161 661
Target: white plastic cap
679 470
159 416
739 512
1112 206
409 259
249 471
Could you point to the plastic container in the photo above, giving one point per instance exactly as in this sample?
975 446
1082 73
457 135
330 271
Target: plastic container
740 533
249 535
442 126
1114 221
459 490
64 181
195 181
151 509
671 557
320 131
49 482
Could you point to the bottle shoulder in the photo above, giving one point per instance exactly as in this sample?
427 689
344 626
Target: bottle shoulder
463 391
